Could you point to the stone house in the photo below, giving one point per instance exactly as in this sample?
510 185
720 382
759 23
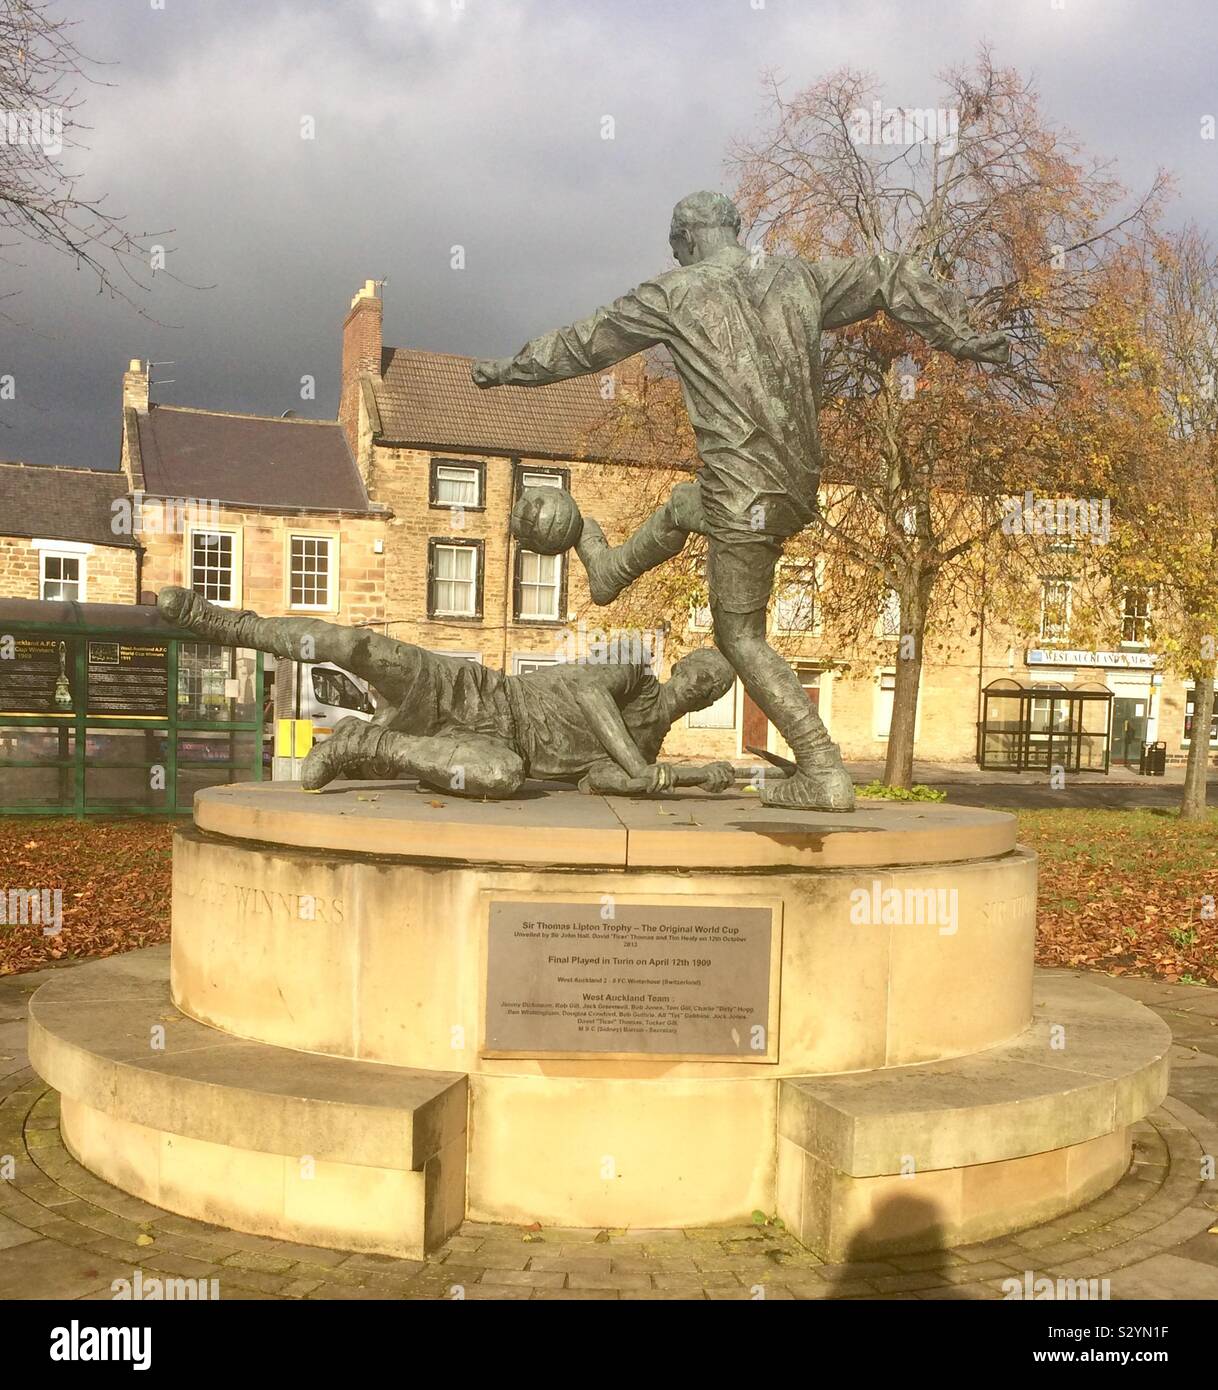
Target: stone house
58 538
251 511
396 516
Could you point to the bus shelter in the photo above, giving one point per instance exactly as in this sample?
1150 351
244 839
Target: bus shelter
108 709
1027 728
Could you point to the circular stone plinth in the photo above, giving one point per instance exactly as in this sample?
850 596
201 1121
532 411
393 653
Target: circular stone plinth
546 825
356 922
383 924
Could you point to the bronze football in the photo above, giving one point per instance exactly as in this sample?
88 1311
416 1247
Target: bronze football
546 520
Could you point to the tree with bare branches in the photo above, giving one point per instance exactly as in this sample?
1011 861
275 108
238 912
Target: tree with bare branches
41 202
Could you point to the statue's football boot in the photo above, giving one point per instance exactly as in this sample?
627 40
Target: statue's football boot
818 783
231 627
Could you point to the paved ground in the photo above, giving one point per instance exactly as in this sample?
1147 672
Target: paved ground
967 785
1032 794
65 1234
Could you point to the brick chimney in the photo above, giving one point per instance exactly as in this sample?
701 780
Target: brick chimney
361 355
135 386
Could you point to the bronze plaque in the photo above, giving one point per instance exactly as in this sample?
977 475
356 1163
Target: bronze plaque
623 979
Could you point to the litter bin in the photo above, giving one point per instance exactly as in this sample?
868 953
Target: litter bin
1153 760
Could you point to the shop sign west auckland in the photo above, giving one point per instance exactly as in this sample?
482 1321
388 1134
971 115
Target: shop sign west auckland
1129 661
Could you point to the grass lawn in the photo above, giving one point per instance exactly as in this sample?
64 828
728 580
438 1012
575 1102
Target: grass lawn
1126 892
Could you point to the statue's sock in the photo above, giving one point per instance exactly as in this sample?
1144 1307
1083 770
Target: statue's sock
612 568
812 746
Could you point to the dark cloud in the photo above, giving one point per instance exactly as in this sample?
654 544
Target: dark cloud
480 125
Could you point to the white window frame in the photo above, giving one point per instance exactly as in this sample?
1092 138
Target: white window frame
538 584
882 708
890 606
438 612
818 572
1038 707
238 535
700 618
528 478
1190 697
1135 618
879 703
331 539
439 466
716 715
534 659
64 550
1064 634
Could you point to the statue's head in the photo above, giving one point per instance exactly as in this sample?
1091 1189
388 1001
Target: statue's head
699 679
700 224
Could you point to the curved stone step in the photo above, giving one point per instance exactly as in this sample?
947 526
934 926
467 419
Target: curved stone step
974 1146
307 1147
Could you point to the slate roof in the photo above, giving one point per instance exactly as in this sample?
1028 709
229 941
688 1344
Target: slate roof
248 460
427 400
61 504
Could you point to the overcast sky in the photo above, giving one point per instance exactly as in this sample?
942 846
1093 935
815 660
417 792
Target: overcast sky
479 123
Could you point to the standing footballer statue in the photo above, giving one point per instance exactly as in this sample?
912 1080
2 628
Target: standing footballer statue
743 331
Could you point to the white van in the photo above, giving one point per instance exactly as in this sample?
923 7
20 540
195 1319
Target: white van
313 690
328 695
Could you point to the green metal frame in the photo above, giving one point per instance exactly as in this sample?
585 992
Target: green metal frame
168 725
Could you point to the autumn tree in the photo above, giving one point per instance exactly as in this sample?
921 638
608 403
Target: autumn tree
1166 493
922 451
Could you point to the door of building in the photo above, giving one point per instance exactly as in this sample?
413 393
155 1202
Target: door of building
757 726
1128 729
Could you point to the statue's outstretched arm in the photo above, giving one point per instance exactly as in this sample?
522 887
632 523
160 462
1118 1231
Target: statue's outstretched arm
636 321
855 287
609 779
386 664
605 720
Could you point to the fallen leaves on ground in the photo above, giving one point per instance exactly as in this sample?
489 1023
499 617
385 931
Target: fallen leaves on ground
114 877
1126 892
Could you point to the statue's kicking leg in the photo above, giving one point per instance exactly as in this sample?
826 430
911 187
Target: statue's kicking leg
462 764
612 568
741 576
381 661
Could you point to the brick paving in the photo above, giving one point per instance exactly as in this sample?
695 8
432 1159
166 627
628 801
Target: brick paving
66 1234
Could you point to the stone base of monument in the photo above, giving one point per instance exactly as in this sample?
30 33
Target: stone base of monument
389 1010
